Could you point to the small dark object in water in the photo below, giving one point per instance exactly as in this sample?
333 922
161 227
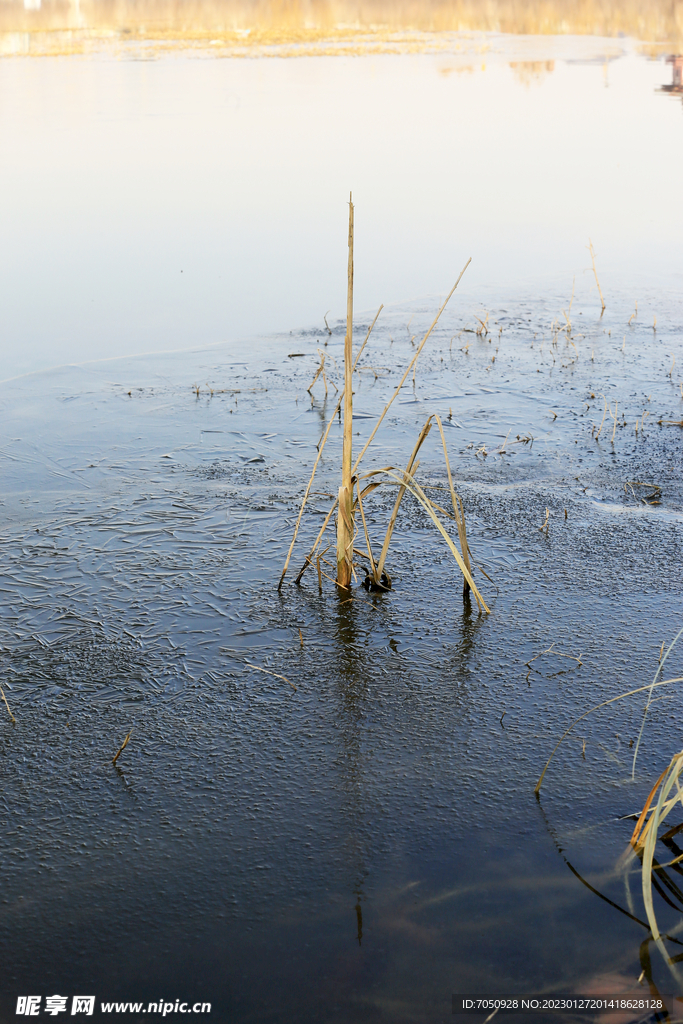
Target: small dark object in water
369 583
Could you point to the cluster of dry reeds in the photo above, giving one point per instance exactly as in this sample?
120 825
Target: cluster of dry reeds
664 877
259 22
663 798
357 486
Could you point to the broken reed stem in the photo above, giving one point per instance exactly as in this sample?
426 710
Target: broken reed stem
317 374
317 540
411 467
121 749
616 407
7 705
635 837
269 673
660 666
410 366
367 535
591 251
408 480
458 510
345 517
321 445
659 813
319 371
551 650
622 696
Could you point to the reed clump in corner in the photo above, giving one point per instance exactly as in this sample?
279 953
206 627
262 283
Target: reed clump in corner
643 842
650 687
355 487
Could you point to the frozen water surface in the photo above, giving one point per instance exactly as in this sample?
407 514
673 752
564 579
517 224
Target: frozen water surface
364 846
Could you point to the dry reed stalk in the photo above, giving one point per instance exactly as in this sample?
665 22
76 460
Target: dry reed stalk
622 696
269 673
345 529
649 499
317 540
367 536
551 650
415 489
616 407
669 778
376 428
319 371
410 366
250 26
592 252
636 835
121 749
7 705
321 445
411 468
458 510
355 364
483 329
308 560
662 662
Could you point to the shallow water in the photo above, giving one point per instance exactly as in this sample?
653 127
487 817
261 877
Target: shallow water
365 846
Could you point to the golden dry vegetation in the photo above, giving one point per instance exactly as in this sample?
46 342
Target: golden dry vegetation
35 26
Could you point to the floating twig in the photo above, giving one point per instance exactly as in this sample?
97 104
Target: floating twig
7 706
269 673
121 749
551 650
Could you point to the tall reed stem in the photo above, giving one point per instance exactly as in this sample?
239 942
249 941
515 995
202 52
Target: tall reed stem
411 364
411 467
321 445
345 518
592 252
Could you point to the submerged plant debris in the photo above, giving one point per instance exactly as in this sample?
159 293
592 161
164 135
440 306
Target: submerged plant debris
336 794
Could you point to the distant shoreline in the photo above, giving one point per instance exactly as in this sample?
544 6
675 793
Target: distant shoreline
242 28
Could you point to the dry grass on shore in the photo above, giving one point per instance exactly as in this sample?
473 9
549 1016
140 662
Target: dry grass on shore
256 23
